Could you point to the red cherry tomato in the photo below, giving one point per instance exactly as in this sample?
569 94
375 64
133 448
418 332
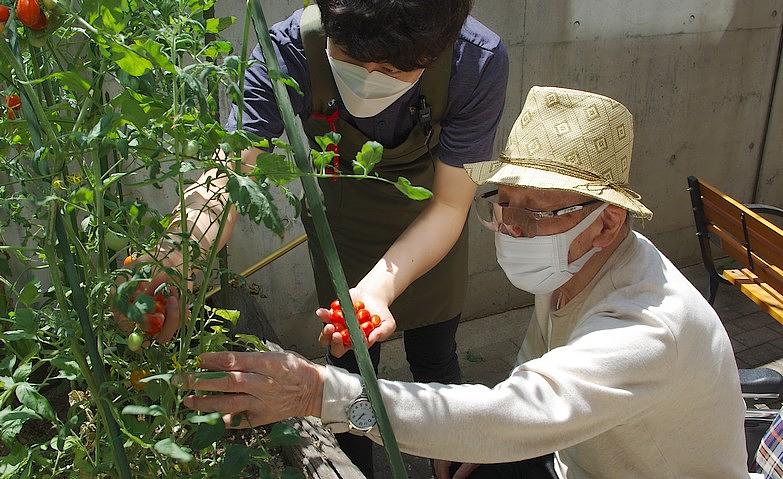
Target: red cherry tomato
29 13
335 305
12 103
367 328
363 316
338 316
153 323
357 305
339 327
346 338
5 13
375 320
160 304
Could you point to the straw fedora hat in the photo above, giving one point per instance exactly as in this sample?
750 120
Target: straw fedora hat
568 140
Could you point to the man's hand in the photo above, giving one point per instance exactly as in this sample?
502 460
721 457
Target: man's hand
260 388
172 314
332 339
442 470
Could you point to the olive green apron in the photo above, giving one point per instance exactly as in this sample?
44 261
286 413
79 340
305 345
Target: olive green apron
368 216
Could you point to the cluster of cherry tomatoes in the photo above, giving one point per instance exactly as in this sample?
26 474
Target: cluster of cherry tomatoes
367 321
153 321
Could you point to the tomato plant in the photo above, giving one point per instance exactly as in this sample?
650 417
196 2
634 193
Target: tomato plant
106 100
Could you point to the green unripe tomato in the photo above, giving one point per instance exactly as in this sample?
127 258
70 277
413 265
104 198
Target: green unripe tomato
114 241
134 341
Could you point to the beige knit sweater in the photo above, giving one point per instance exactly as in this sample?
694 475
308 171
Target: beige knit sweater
634 378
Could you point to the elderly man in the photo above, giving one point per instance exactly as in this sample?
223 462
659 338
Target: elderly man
625 371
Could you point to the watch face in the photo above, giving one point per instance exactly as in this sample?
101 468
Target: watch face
361 415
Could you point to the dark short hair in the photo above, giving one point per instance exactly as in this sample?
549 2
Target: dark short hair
408 34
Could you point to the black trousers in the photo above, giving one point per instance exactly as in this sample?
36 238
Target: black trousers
431 352
537 468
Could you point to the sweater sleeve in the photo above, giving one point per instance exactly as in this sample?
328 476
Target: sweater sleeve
609 372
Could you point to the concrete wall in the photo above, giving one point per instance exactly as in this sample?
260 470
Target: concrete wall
697 74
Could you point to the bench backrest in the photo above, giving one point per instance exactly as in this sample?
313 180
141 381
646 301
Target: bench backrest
747 237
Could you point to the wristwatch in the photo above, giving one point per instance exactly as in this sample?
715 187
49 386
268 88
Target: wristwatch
361 417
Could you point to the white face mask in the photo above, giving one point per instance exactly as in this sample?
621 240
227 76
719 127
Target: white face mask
540 264
365 94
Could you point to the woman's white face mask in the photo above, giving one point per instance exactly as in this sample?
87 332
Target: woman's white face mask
364 93
540 265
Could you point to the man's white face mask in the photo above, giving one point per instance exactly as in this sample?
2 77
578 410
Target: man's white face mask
365 94
539 265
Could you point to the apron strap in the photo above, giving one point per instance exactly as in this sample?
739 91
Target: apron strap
322 85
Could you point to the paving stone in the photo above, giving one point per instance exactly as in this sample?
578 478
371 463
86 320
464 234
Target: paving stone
758 336
760 355
742 364
755 320
506 351
737 346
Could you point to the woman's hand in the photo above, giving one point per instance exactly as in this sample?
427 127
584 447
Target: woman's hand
259 388
332 339
172 319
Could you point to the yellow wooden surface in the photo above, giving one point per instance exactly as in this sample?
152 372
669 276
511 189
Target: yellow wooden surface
762 294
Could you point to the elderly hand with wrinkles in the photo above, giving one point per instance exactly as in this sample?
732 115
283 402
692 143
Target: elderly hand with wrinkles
258 388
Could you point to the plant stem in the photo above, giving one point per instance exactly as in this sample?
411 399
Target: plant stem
326 241
94 374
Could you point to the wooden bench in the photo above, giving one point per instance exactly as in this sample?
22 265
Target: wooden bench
748 238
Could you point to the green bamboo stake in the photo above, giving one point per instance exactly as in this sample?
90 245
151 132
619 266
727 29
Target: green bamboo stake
326 241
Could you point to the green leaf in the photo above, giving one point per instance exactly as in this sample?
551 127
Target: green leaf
23 372
212 418
135 410
277 75
25 319
217 48
417 193
254 200
366 159
107 123
282 435
207 434
251 339
69 369
130 61
74 82
155 52
12 421
237 457
165 377
30 292
30 398
82 196
324 142
217 25
322 158
7 364
228 314
276 167
168 447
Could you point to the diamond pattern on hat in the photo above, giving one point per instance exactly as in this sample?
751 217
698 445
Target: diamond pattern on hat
575 128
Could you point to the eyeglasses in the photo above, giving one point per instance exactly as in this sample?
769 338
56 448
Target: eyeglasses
516 222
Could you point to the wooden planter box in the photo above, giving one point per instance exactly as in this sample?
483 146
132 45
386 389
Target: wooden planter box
319 454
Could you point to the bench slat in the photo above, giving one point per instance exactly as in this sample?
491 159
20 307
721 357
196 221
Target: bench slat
768 273
765 238
760 293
